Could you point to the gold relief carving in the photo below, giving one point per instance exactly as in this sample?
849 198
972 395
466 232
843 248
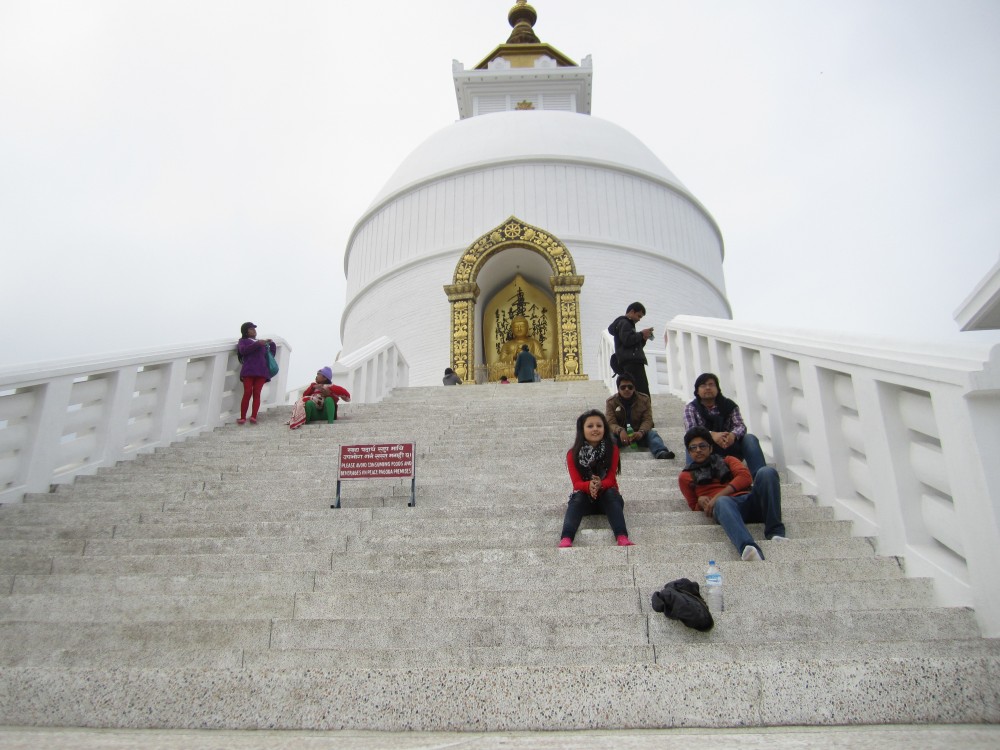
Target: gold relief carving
514 232
565 284
519 314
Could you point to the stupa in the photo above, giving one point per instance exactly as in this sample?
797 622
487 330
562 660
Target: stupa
526 208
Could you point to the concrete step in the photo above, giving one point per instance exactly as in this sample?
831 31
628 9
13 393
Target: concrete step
498 699
94 607
211 585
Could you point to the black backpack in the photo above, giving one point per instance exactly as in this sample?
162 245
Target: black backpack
681 600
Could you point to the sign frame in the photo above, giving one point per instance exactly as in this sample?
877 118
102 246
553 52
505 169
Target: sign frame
378 461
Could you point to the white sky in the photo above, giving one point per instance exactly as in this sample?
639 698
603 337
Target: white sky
170 169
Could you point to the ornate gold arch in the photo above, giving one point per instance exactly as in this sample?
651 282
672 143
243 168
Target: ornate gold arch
463 293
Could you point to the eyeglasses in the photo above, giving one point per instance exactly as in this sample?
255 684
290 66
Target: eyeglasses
697 447
626 387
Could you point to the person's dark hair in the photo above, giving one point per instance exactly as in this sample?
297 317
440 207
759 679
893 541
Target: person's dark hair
624 378
636 307
607 439
448 371
246 327
697 432
524 347
704 378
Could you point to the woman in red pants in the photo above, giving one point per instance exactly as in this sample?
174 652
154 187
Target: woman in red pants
255 372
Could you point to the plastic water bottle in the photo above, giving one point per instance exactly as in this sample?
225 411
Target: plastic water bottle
713 588
630 433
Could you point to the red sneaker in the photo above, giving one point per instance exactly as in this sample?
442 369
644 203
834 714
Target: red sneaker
241 421
624 541
565 542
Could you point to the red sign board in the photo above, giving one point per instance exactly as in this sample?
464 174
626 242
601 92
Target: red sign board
383 461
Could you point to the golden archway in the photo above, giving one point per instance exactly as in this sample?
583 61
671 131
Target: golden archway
463 293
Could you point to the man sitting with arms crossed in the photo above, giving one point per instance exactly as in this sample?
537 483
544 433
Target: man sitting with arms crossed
721 488
629 407
721 416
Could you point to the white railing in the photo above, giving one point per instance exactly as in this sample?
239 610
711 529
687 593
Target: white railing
901 439
371 372
656 358
62 419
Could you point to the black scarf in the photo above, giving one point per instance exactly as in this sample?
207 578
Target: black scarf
716 422
715 469
591 461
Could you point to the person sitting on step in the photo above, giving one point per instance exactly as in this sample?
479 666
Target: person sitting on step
722 489
594 465
319 399
629 407
721 416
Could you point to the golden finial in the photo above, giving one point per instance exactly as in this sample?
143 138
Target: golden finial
522 18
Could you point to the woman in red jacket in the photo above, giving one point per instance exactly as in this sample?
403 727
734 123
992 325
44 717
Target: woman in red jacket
318 400
594 466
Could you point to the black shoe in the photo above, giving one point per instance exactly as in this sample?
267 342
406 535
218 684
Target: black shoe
665 454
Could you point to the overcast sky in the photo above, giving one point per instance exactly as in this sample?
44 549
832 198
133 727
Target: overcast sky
171 169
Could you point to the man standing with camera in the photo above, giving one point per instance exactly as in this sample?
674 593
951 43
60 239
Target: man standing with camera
629 344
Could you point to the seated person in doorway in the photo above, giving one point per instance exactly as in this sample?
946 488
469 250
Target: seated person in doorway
722 489
721 417
318 400
629 407
525 366
450 377
594 466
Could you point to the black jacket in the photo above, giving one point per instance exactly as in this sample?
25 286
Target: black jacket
629 342
681 600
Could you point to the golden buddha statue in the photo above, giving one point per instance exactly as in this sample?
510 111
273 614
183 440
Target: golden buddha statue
519 337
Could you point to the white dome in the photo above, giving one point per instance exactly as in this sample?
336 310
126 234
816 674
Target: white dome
633 230
536 136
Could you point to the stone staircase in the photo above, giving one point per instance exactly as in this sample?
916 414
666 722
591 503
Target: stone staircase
210 585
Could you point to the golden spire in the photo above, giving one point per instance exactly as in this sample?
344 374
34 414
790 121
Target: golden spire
523 49
522 18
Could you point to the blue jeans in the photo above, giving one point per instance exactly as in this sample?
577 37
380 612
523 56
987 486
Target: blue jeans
761 504
609 502
651 440
747 448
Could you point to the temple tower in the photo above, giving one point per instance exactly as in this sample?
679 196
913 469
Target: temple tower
528 214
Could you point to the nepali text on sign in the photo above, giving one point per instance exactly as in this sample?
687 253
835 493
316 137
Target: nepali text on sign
384 461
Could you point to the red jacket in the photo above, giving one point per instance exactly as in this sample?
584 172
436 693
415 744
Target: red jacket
741 481
336 392
583 485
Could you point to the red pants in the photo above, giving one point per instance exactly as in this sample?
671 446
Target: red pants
251 387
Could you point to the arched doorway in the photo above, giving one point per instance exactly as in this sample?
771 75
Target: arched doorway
463 295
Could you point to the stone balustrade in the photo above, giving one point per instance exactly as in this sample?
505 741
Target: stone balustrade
902 439
65 418
371 372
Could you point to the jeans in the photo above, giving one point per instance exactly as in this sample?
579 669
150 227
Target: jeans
762 503
651 440
747 448
609 502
